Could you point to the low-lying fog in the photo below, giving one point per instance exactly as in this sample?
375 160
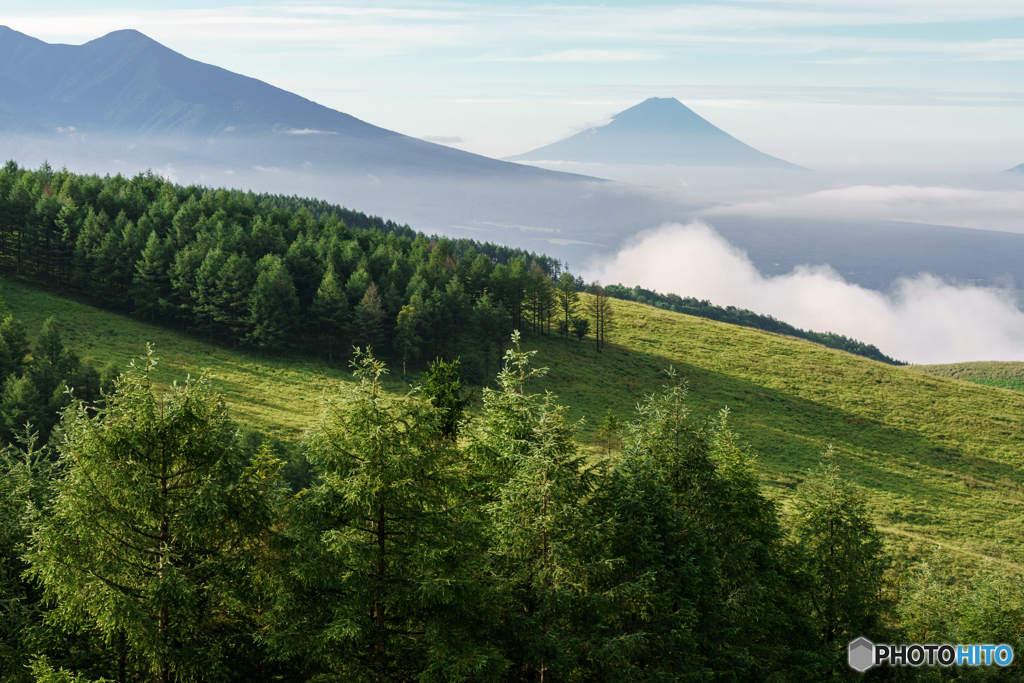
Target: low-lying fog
921 319
927 267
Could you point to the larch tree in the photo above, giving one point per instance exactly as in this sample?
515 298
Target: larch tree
537 482
329 312
844 554
406 338
151 283
235 283
273 304
599 307
388 533
151 527
568 302
369 319
205 296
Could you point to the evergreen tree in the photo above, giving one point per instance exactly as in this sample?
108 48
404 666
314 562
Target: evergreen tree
329 312
88 245
454 310
185 222
183 273
109 264
206 295
20 206
635 620
151 529
406 339
68 226
580 327
266 238
22 408
488 319
357 285
150 286
24 479
13 347
599 308
52 371
234 289
568 302
444 389
727 542
843 556
369 319
307 270
537 482
610 432
272 305
387 531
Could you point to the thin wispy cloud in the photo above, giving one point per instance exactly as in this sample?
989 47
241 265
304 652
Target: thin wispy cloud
956 206
386 30
309 131
585 56
443 139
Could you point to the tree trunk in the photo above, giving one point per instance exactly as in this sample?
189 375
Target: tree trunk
379 617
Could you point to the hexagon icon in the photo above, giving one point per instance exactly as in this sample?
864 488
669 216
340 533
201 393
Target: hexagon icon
861 654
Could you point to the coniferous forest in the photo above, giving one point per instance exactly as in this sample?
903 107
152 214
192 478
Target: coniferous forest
147 541
272 272
144 537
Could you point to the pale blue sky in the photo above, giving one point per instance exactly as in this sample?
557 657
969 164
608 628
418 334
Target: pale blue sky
868 84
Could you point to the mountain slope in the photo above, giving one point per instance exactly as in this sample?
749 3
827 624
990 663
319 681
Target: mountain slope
130 86
657 131
1004 375
939 458
1019 169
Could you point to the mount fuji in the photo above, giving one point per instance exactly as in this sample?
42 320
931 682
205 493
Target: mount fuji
656 132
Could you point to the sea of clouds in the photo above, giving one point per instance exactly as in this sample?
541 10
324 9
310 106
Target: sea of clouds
920 320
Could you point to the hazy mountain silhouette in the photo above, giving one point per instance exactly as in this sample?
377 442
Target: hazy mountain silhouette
127 84
1016 169
124 103
658 131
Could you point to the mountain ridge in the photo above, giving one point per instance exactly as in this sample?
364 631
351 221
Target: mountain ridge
657 131
128 85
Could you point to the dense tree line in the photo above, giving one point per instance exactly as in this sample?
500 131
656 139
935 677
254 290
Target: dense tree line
149 542
273 272
738 316
37 387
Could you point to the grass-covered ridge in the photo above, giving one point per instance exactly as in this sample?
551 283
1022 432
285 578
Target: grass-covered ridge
940 459
746 318
1000 374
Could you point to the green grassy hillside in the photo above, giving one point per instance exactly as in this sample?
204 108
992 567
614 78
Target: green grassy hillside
1004 375
941 459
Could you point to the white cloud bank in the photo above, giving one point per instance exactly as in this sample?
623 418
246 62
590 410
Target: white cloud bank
923 320
958 206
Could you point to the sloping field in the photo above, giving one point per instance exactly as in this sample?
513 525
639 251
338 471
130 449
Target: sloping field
1005 375
942 459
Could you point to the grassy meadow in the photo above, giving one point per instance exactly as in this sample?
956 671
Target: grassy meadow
1004 375
941 459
